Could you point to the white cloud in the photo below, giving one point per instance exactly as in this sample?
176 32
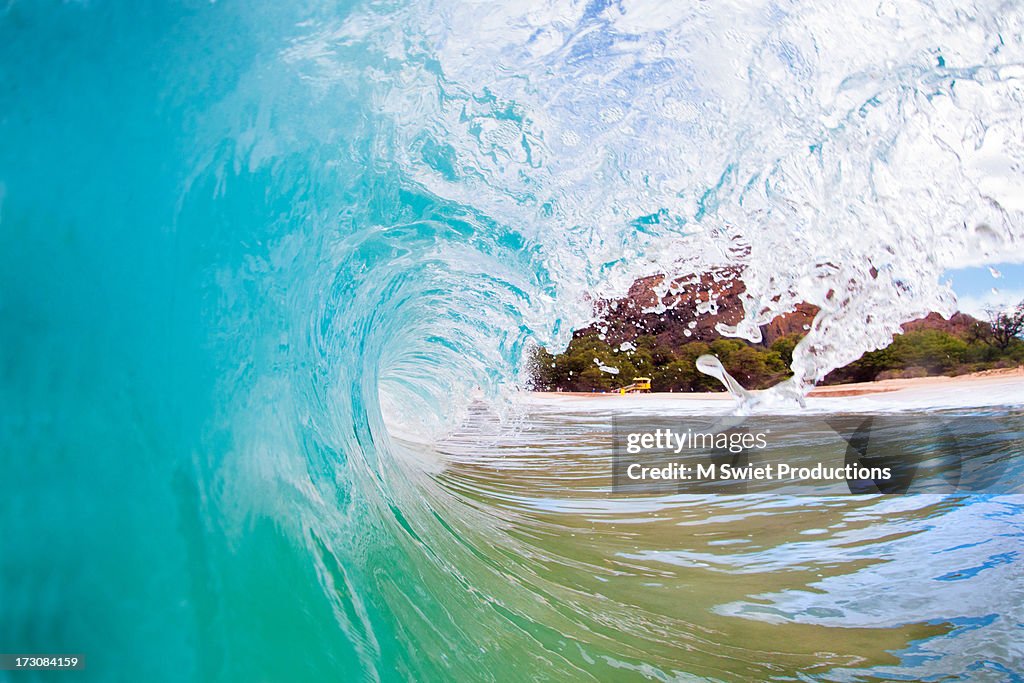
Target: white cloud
977 304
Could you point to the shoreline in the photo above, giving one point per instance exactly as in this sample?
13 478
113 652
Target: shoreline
982 378
1000 381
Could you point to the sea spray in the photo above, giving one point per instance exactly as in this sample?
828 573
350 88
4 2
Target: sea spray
845 169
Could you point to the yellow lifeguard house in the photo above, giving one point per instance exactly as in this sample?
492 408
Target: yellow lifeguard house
639 385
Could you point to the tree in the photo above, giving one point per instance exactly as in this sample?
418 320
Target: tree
677 376
593 379
866 368
934 350
784 347
544 370
982 345
1006 325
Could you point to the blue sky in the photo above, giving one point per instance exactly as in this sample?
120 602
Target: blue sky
974 287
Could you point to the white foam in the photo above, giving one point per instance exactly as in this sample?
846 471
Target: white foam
912 395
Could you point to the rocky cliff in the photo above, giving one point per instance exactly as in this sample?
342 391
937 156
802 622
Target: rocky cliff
690 308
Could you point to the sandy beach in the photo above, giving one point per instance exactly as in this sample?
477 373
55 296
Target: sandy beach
1004 386
973 382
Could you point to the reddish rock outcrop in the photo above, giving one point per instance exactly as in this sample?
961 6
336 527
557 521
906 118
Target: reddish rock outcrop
959 324
691 308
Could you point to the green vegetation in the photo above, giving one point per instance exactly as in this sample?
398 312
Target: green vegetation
913 354
931 352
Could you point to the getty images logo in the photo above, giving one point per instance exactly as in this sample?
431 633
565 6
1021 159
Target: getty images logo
817 455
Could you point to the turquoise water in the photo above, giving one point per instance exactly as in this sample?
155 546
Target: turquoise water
256 261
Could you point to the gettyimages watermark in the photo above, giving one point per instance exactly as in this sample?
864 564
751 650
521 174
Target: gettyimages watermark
818 455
